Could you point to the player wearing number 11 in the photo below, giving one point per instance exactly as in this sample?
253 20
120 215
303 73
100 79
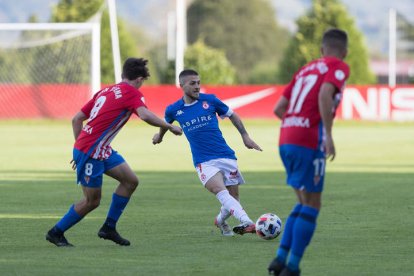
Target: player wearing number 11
105 114
307 109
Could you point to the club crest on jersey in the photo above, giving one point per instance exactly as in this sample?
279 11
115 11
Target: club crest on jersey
205 105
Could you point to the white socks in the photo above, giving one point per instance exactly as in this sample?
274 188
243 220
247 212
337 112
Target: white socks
223 215
232 207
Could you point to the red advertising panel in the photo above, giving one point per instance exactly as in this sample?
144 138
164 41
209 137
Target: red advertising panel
249 101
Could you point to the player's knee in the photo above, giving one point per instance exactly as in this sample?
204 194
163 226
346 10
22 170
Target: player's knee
92 203
132 183
95 203
316 204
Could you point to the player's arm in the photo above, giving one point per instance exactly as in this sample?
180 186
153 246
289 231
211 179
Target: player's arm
281 107
159 136
77 123
326 103
150 118
248 142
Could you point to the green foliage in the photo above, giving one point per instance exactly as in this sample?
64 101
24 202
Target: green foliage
263 73
304 46
126 45
210 63
245 29
80 11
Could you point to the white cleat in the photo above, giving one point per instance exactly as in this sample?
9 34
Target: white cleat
224 228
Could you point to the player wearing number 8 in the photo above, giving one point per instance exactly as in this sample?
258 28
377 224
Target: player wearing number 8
105 115
307 108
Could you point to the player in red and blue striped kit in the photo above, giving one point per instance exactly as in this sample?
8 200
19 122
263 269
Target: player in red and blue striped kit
307 108
105 114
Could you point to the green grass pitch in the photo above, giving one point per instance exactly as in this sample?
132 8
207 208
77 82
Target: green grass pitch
365 226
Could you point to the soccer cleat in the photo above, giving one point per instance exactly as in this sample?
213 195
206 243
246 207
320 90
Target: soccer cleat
57 239
224 228
287 272
244 228
108 233
275 267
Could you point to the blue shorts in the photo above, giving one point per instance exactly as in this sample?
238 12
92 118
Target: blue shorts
89 171
305 168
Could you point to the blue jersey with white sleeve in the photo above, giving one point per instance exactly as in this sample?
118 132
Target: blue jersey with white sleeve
200 125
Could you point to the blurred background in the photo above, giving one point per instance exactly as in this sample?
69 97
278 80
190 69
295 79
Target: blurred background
230 43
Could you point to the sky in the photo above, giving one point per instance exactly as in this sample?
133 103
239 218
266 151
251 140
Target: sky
371 16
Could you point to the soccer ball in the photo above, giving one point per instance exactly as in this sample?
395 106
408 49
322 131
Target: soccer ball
268 226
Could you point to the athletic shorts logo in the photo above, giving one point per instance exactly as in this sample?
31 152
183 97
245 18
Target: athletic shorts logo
203 177
234 174
87 178
205 105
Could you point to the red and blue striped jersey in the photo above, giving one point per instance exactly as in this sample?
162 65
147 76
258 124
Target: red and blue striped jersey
107 113
302 124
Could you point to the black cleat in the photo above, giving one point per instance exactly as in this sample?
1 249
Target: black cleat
244 228
287 272
275 267
108 233
57 239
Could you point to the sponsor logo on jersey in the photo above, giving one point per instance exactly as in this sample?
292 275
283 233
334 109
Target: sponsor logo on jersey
197 122
296 122
179 112
88 129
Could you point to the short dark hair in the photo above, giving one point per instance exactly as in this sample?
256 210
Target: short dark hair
187 72
134 68
335 38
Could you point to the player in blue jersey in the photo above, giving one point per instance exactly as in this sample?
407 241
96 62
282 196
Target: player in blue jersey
213 159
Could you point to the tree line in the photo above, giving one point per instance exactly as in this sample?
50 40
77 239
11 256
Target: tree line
229 42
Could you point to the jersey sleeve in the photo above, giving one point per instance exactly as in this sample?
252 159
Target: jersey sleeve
86 109
337 74
169 115
222 109
137 101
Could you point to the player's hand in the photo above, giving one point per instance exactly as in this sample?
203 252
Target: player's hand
330 148
156 139
73 164
176 130
250 144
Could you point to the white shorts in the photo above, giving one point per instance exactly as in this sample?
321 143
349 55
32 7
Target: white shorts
228 167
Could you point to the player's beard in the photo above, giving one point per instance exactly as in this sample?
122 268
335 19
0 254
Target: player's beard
194 95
